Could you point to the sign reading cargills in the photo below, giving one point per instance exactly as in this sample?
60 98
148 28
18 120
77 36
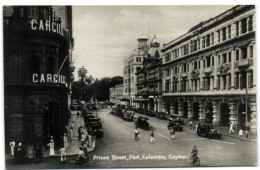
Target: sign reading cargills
46 26
48 78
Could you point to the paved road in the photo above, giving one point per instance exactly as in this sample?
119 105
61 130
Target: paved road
119 141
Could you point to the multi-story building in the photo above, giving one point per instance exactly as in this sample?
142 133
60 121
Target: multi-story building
37 72
149 82
116 94
210 72
132 64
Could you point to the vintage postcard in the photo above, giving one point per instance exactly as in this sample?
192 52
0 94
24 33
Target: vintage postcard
158 86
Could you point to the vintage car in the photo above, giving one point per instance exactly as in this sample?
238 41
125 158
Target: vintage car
95 129
161 115
175 125
142 122
129 115
175 117
207 131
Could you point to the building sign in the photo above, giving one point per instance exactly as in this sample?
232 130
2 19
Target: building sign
48 78
41 25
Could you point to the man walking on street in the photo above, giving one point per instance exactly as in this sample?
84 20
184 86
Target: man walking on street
231 128
63 154
172 132
136 134
241 134
152 138
12 145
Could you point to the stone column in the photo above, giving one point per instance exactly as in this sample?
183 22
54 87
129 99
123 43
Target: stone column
198 44
228 81
180 108
200 76
159 103
227 33
233 30
215 106
253 122
202 112
253 23
172 107
221 35
232 68
215 37
189 76
189 110
240 28
163 105
233 114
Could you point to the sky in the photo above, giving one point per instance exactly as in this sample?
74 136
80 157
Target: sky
104 35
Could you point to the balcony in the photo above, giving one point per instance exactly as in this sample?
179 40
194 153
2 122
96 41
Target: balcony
208 70
243 63
184 75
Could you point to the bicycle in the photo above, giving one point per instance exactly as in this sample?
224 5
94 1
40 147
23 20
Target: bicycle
82 161
197 160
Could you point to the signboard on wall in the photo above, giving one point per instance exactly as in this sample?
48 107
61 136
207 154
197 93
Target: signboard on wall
48 78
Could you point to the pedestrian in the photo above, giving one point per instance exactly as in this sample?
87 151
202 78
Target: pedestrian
79 133
190 124
63 154
152 138
72 125
172 133
83 137
71 133
12 145
241 134
136 134
231 128
65 141
66 130
51 145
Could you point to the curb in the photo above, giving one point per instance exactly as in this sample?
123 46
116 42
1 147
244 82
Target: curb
251 140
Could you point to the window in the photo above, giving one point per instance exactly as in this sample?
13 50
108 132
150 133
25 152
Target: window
244 25
251 52
212 38
224 58
237 28
208 62
224 82
244 52
208 40
176 70
218 59
203 42
204 63
218 35
195 65
138 69
229 31
199 64
212 61
224 33
250 23
195 45
237 54
184 68
229 57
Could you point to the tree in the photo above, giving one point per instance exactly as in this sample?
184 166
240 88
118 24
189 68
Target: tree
84 78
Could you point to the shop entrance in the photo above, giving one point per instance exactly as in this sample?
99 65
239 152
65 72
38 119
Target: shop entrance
196 111
185 110
168 107
242 115
209 112
224 114
176 108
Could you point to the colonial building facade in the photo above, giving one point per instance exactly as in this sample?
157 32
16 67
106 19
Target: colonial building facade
209 73
38 46
132 64
149 82
116 94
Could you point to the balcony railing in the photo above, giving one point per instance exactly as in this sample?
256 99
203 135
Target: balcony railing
243 63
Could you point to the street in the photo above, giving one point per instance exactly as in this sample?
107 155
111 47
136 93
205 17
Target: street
118 149
119 141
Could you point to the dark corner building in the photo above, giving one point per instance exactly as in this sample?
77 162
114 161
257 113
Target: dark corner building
38 68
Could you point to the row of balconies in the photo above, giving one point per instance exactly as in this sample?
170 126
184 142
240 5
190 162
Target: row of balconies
208 70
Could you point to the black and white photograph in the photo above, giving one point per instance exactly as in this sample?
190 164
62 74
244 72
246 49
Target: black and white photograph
129 86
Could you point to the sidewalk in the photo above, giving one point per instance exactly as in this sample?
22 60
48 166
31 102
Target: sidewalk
225 131
74 144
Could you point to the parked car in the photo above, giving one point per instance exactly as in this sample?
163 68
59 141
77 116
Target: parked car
142 122
161 115
175 125
175 117
208 131
129 115
96 129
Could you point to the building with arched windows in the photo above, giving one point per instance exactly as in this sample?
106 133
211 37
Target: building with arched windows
38 68
209 73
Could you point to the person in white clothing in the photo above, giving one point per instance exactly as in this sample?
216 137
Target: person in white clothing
12 145
231 128
241 133
71 133
51 145
63 154
65 141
